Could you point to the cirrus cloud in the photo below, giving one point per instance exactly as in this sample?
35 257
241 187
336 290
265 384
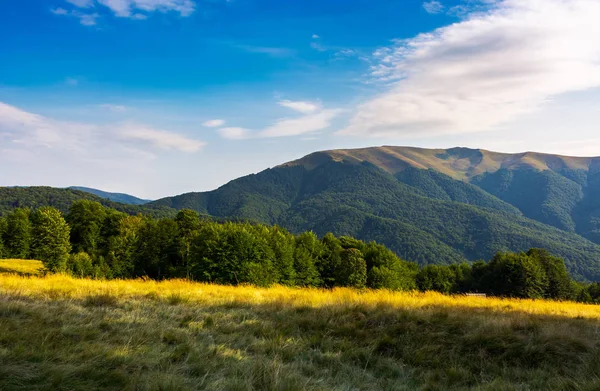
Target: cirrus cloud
213 123
486 70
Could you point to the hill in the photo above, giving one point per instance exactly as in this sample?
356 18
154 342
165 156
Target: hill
79 334
38 196
409 203
116 197
561 191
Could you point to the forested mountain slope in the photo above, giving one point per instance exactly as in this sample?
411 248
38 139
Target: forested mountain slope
561 191
423 215
116 197
38 196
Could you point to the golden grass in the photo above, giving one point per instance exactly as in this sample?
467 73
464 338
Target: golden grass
63 333
21 266
62 286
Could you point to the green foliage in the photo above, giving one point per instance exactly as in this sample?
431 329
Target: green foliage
352 269
50 238
307 255
86 219
3 252
80 265
17 234
436 278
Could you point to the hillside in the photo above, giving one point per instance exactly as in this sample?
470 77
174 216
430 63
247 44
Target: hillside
116 197
38 196
561 191
423 215
63 333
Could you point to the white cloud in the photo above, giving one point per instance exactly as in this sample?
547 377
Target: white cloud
315 36
303 107
309 123
433 7
114 108
84 19
24 131
346 53
486 70
313 119
128 8
271 51
59 11
234 133
160 138
318 47
214 123
81 3
125 8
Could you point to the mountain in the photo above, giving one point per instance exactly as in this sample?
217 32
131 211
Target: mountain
430 206
116 197
38 196
561 191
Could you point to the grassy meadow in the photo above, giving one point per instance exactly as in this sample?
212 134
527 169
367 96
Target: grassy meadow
62 333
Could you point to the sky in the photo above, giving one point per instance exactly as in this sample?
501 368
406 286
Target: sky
161 97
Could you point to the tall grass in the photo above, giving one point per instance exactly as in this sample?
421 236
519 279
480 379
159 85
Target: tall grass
57 332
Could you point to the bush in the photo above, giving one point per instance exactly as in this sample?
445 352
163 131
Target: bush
80 265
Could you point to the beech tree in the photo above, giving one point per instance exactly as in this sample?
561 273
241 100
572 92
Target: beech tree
50 238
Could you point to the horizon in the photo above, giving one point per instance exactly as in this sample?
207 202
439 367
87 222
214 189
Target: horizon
160 98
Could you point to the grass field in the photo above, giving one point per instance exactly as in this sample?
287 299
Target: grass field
58 332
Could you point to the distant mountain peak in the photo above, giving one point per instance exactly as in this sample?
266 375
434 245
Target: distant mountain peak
458 163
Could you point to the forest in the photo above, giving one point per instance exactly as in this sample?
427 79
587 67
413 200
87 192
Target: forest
94 241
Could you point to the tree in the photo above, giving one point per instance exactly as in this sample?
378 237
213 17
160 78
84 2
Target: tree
386 270
50 242
282 243
330 260
156 248
188 222
17 236
352 270
515 275
559 285
86 219
307 255
2 232
80 265
122 247
436 278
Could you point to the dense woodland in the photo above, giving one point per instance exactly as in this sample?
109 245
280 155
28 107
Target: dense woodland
99 242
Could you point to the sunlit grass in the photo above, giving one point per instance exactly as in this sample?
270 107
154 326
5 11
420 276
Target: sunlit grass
20 266
59 332
198 293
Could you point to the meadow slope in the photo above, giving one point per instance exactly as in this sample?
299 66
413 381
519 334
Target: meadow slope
64 333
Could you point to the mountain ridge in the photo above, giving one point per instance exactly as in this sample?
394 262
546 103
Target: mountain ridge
116 197
452 161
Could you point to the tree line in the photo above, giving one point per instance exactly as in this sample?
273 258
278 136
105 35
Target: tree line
94 241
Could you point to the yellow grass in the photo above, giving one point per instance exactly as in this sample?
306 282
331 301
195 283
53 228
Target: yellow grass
61 286
20 266
63 333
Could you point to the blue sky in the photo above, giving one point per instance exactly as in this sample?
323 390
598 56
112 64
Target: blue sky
161 97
